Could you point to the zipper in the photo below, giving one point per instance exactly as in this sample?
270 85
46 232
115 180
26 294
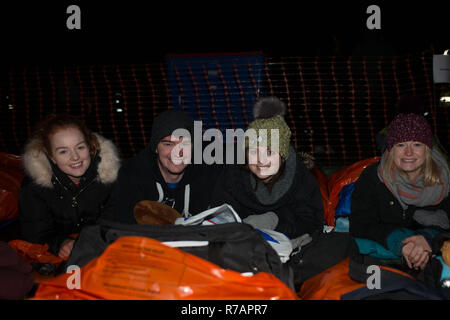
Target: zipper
74 198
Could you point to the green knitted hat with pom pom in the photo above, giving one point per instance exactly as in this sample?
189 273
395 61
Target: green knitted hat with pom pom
266 137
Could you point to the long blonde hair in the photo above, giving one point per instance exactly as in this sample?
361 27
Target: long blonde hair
430 170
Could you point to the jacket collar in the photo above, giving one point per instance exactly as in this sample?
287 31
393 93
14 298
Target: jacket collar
89 176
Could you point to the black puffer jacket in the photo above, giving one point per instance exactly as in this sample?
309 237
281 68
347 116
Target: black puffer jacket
52 207
376 213
140 179
295 198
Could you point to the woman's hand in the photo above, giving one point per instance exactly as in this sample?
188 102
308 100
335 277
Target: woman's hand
416 251
66 248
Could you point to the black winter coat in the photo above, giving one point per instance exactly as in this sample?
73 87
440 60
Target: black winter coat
52 207
299 207
375 212
140 179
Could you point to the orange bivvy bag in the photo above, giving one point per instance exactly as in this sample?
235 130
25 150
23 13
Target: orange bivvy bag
36 253
340 179
322 180
33 252
11 176
142 268
330 284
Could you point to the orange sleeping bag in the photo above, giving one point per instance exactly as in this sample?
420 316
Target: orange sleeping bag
11 176
330 284
141 268
33 252
340 179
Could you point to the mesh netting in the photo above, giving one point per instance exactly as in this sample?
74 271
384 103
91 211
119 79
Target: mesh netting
336 105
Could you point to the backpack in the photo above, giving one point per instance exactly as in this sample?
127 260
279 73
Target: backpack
234 246
324 251
226 214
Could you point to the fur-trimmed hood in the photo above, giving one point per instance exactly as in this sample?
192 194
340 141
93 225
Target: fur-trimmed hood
37 165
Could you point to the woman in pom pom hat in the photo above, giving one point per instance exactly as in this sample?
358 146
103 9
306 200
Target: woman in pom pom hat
402 201
274 189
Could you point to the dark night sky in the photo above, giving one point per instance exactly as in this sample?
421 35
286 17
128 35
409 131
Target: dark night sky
132 31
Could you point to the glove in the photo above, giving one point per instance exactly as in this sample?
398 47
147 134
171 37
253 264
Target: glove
268 220
436 218
301 241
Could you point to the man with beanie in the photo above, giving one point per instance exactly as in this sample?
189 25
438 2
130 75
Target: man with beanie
162 172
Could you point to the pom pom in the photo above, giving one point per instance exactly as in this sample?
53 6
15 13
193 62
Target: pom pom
269 107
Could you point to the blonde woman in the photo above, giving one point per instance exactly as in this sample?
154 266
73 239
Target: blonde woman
402 202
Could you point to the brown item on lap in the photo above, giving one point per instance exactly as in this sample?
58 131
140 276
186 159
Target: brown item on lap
156 213
446 252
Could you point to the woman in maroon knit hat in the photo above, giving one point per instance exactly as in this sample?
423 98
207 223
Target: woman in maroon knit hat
409 103
402 201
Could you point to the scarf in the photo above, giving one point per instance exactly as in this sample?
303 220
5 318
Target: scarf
415 193
282 186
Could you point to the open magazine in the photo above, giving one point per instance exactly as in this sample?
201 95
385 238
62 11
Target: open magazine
226 214
223 214
279 241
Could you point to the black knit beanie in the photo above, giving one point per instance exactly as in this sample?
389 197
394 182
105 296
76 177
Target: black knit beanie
166 123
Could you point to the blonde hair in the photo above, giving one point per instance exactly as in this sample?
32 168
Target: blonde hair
430 170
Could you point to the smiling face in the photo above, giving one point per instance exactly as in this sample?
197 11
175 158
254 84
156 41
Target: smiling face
70 152
409 157
174 155
263 162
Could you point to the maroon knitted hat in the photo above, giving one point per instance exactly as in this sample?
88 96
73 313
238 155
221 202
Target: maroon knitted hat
409 127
